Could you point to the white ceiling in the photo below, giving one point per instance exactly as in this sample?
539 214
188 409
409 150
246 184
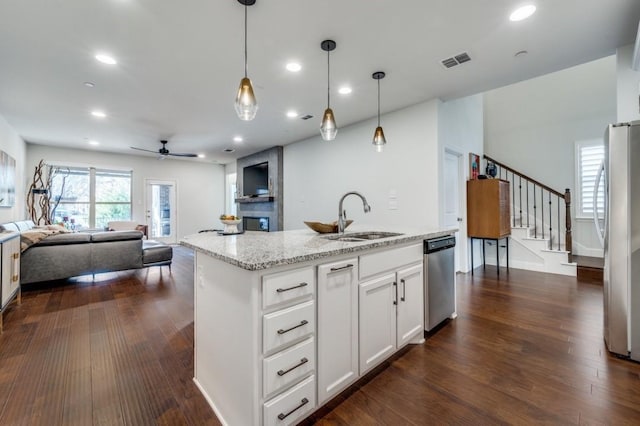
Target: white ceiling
180 63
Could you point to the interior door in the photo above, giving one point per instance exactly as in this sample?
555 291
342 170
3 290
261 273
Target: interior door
451 214
161 210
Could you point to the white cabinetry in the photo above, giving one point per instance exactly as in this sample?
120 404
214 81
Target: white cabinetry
391 304
337 327
292 363
10 248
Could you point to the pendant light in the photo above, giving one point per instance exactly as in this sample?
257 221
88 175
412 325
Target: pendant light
379 141
328 128
246 103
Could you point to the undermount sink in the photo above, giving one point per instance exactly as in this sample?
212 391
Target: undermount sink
363 236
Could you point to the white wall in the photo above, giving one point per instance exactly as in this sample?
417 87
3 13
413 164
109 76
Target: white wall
460 130
317 173
200 186
12 144
628 86
532 126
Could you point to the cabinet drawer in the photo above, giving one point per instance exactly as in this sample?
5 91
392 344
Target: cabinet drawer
389 260
292 405
288 366
288 325
287 286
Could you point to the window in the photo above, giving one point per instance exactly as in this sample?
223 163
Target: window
86 197
589 157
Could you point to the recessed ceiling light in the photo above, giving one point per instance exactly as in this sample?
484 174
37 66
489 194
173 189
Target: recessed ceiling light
292 114
237 139
522 13
344 90
294 67
228 150
99 114
106 59
521 53
89 84
94 143
201 155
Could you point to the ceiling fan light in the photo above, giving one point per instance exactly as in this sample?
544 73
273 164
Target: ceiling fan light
246 103
328 128
379 141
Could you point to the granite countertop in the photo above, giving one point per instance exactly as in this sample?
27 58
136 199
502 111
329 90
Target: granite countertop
256 250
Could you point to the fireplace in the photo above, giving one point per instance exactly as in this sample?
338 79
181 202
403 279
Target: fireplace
255 224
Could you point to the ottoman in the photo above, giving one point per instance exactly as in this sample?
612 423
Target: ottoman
155 253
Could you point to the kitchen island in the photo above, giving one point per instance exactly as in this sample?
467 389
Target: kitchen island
284 321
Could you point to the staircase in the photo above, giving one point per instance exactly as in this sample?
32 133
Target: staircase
541 226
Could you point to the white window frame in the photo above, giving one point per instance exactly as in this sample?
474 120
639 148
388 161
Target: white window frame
578 197
93 171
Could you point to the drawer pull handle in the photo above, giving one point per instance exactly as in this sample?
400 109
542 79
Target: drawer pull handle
404 290
303 322
342 267
303 361
303 402
280 290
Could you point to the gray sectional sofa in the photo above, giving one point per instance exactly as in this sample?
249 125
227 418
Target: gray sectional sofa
65 255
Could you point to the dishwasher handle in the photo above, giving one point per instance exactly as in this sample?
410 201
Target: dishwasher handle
439 244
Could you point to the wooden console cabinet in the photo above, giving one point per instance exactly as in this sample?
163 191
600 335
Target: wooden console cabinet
10 270
488 208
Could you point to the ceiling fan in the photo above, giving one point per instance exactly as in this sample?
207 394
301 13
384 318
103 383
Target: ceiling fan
164 151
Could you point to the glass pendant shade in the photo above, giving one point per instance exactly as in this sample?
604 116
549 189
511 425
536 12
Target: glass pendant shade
246 104
379 141
328 128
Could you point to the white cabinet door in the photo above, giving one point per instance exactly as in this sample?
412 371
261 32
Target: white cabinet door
377 320
410 303
337 327
10 269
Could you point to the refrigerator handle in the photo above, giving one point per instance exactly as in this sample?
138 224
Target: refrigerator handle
596 220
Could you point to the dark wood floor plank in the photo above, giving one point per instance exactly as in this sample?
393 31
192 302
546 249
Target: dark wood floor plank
117 349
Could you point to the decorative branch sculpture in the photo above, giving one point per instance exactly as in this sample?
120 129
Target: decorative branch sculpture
39 195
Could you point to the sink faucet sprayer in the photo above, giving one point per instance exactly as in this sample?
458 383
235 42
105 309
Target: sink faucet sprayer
342 215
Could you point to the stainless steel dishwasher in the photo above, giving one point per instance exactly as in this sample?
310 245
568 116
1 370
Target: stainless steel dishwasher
439 280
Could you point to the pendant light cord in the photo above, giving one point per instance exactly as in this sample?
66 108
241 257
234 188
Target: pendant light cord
328 82
245 40
378 102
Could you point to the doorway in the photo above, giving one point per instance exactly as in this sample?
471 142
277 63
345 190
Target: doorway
452 205
161 210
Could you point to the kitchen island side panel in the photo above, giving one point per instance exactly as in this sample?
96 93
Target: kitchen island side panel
228 339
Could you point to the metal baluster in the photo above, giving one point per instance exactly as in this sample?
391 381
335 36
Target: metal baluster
520 194
528 204
542 211
550 225
513 196
535 213
558 223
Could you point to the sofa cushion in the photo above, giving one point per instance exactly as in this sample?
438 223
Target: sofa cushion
115 236
25 225
66 238
10 226
156 253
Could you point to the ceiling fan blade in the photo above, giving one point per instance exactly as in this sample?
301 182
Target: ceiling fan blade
182 155
142 149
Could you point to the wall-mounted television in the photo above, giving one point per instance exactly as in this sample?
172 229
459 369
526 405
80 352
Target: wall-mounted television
255 180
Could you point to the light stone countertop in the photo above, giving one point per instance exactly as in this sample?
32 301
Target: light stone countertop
256 250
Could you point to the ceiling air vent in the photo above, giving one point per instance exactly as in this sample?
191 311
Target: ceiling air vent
456 60
306 117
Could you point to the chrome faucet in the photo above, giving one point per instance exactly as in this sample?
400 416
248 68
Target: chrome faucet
342 215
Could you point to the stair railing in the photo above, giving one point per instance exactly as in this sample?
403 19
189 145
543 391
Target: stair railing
542 206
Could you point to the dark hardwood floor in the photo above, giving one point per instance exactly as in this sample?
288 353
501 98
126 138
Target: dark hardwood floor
526 348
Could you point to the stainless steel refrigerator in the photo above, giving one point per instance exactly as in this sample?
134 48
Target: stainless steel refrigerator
621 178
